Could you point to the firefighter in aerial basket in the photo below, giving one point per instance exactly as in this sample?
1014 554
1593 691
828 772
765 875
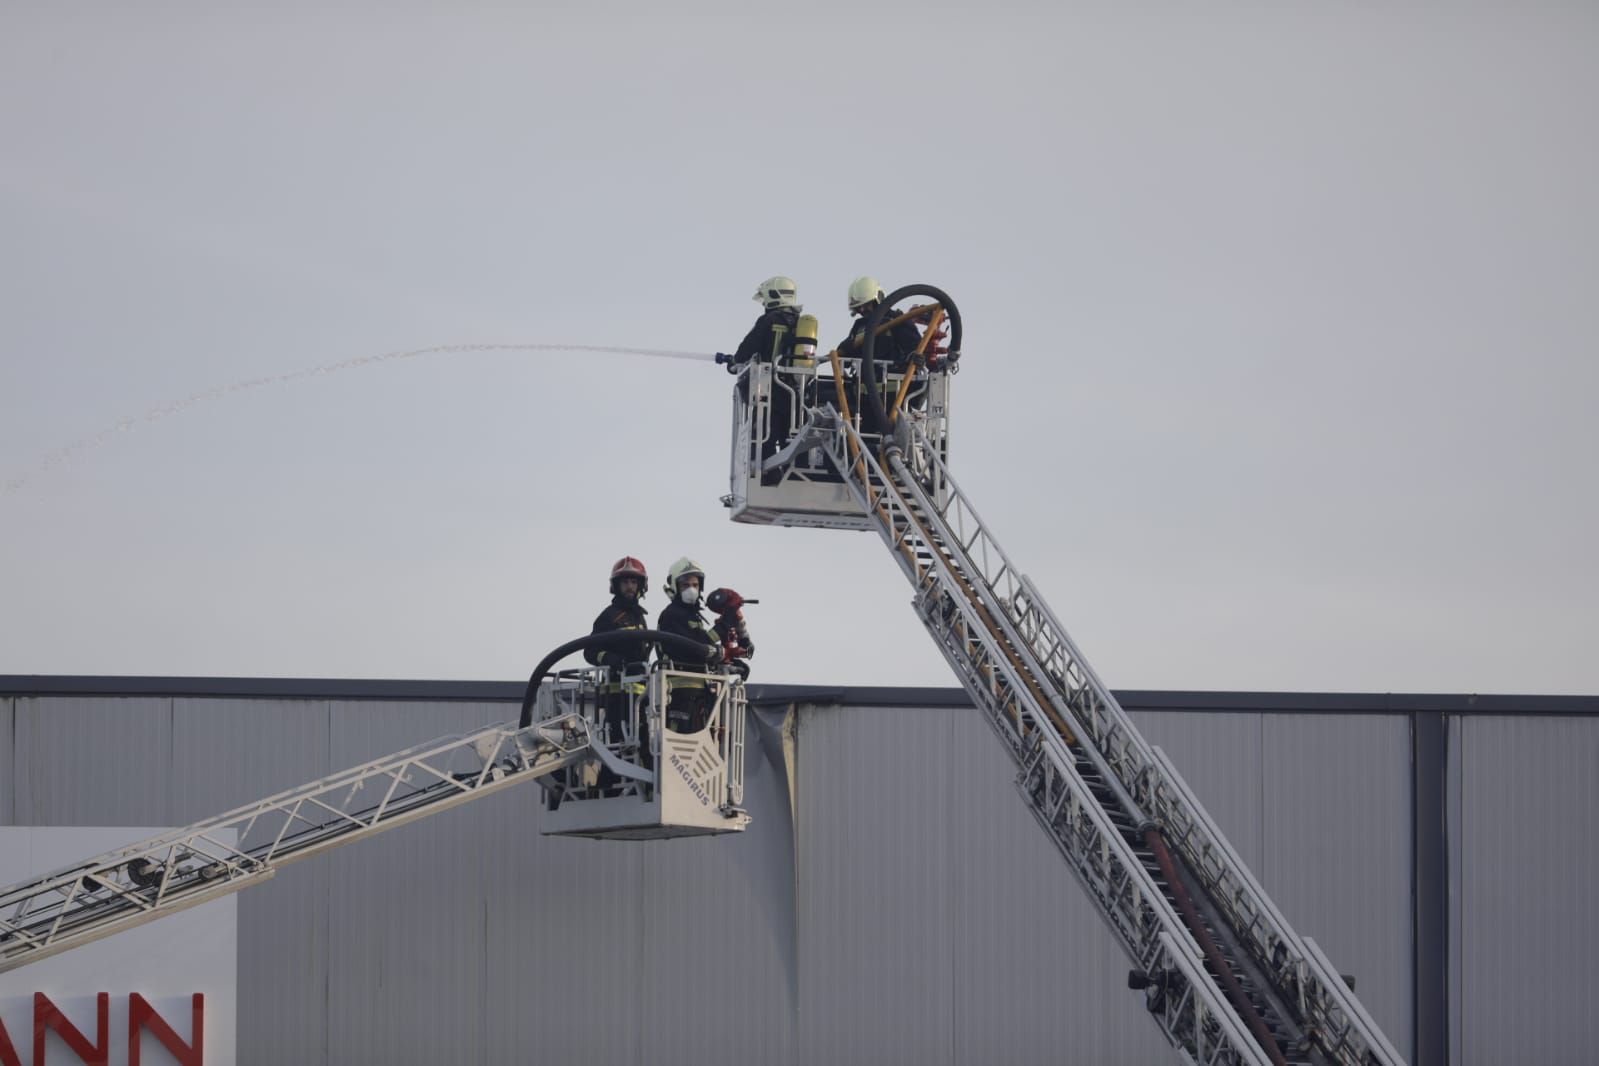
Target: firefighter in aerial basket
689 699
627 664
892 351
786 338
773 332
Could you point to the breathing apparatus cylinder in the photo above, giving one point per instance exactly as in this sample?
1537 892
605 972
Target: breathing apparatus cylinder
805 331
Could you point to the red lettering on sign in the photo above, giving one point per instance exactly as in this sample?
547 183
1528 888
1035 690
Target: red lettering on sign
47 1016
143 1016
8 1051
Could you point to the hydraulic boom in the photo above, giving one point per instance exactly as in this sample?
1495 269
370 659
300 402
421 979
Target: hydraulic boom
1224 975
156 877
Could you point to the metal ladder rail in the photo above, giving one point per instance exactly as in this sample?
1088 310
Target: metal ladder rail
1287 977
1343 1022
1274 1023
1300 977
1064 803
1339 1022
152 878
1321 992
1201 841
1209 1037
1196 1018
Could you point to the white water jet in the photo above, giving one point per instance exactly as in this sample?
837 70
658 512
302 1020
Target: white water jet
66 454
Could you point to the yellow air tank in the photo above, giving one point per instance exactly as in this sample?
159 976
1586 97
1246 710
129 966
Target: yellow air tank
805 341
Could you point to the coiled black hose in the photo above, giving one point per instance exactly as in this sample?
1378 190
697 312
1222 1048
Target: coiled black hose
874 391
680 648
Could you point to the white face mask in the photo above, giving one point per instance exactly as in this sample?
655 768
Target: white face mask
689 595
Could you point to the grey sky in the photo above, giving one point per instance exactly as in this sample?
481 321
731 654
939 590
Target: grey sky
1281 329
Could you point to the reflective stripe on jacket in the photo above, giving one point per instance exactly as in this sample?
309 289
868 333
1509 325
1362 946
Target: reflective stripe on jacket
685 621
622 614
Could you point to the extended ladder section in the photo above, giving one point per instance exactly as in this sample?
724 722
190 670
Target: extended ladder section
164 874
1224 975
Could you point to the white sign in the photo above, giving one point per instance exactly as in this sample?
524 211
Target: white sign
165 983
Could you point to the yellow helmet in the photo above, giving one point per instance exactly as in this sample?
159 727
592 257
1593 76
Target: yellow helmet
681 569
862 291
777 291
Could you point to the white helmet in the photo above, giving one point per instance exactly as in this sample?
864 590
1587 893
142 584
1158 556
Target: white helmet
777 291
864 290
681 569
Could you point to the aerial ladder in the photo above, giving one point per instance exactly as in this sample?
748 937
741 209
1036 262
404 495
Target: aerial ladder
690 784
1224 975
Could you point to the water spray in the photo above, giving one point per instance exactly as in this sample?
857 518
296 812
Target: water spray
64 455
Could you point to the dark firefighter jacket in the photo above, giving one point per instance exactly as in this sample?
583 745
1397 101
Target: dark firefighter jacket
757 343
894 346
685 621
621 614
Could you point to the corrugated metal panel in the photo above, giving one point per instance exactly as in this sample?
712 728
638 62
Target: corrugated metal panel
875 919
565 922
407 928
1336 804
1454 820
937 921
724 906
8 758
1318 806
1038 976
1219 755
229 752
93 761
704 908
931 920
226 753
1524 888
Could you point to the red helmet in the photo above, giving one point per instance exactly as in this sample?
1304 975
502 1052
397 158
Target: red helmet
627 566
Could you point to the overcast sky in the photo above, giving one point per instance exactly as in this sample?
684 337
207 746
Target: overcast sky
1281 329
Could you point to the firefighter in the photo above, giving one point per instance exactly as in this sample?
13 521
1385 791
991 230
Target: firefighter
626 664
772 336
688 704
894 346
773 339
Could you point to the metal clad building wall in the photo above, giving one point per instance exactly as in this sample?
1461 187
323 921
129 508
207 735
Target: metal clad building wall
8 785
913 912
635 952
93 761
1219 755
1523 871
724 908
1336 806
565 920
875 919
226 753
1038 976
714 966
1318 806
406 926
